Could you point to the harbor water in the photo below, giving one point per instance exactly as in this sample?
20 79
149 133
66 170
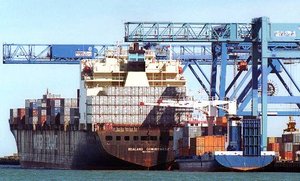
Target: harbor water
15 173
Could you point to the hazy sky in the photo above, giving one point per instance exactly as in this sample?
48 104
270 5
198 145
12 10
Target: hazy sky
100 22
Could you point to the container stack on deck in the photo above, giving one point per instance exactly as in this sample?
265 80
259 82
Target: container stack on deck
120 106
275 144
291 144
192 129
287 147
207 144
17 117
51 112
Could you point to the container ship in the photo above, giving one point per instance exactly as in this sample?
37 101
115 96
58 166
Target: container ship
105 127
133 112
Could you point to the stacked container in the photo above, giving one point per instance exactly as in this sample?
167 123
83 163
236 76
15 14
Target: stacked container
274 144
17 116
120 105
51 110
206 144
290 145
69 112
54 109
31 110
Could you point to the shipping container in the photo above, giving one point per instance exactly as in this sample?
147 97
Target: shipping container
273 147
287 155
288 147
21 113
42 119
274 140
296 137
286 138
251 137
202 144
72 51
221 121
296 152
28 102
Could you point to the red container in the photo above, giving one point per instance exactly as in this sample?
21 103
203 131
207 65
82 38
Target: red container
35 112
287 155
273 147
21 112
42 119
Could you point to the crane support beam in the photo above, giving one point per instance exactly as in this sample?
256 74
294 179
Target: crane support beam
53 54
187 32
208 32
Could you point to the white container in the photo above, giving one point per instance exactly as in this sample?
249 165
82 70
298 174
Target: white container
288 147
152 91
57 103
68 102
97 118
97 109
89 118
67 111
296 138
74 102
97 100
34 120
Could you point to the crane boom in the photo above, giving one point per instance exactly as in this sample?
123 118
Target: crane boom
230 107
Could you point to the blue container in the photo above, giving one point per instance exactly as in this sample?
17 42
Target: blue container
235 135
34 105
251 137
72 51
55 111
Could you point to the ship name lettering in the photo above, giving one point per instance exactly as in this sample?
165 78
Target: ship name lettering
149 149
135 149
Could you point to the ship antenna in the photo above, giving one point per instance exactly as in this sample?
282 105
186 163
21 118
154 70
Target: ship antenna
170 51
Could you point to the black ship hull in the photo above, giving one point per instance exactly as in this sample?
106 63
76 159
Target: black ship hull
56 149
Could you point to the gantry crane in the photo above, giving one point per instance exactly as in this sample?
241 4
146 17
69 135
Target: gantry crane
271 45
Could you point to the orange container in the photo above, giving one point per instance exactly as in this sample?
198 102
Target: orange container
288 155
222 121
205 144
210 141
198 141
273 147
274 140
